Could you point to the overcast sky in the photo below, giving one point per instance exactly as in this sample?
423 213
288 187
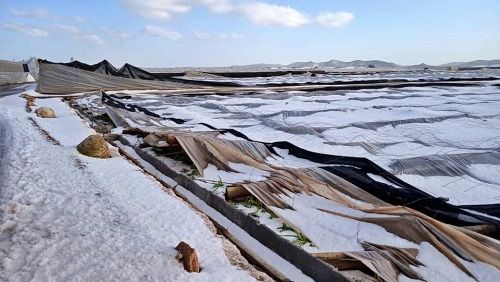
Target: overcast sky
167 33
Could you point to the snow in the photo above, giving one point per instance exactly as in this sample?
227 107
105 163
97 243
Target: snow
441 269
66 217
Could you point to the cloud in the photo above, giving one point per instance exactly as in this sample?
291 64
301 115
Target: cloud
218 6
162 32
92 39
38 13
116 33
257 12
261 13
216 36
79 19
41 13
334 19
80 35
165 9
67 28
158 9
25 29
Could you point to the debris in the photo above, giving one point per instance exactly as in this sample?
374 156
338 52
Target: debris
235 192
154 140
188 257
135 131
94 146
30 102
45 112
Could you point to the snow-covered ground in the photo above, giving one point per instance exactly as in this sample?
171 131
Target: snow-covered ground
67 217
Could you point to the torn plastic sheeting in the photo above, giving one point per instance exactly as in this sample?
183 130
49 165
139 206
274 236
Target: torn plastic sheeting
416 199
284 181
417 228
59 79
355 170
133 72
197 146
111 101
450 241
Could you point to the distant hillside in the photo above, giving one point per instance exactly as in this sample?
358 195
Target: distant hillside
474 64
259 66
302 65
334 64
341 64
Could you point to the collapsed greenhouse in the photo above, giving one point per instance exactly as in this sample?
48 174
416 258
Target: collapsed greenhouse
335 176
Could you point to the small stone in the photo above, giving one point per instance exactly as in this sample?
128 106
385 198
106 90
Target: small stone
94 146
188 257
30 103
111 137
45 112
103 128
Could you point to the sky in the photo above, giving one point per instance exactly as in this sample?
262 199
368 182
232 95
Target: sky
175 33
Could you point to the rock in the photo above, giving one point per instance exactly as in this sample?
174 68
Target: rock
94 146
103 128
188 257
45 112
111 137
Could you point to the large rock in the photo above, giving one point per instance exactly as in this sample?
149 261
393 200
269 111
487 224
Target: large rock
45 112
94 146
188 257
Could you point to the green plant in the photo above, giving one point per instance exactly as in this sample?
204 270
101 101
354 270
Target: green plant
285 227
301 240
217 185
271 214
192 173
252 202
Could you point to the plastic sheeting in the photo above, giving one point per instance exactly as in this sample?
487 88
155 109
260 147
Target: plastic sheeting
73 77
6 66
62 79
16 72
442 140
355 171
